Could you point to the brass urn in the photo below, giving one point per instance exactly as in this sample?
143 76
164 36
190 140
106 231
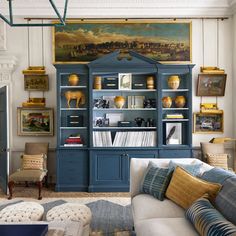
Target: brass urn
180 101
166 102
73 79
119 101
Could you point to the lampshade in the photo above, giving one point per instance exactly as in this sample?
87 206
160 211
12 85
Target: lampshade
60 20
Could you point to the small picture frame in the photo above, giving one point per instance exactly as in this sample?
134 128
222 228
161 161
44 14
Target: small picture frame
211 85
208 123
136 102
35 121
36 83
114 118
173 133
125 81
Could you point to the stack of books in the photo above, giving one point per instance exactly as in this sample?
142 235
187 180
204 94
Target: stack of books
174 116
73 141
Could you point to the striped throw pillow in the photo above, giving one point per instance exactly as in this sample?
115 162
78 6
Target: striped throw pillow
218 160
156 181
32 162
208 221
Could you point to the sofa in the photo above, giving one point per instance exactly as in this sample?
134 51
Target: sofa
151 216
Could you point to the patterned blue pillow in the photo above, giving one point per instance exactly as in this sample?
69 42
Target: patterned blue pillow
193 169
216 175
225 201
156 181
208 221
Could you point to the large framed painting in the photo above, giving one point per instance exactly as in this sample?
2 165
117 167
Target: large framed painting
35 121
85 41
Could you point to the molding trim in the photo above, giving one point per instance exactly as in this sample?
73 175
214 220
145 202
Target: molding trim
7 64
123 8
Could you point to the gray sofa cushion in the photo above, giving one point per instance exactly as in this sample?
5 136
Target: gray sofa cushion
226 200
165 227
146 206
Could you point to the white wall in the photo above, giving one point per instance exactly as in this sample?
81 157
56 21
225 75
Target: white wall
17 45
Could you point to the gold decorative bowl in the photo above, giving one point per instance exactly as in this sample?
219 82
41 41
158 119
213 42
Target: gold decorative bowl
119 101
73 79
180 101
166 102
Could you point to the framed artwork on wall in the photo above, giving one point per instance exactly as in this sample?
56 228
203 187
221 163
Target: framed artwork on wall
35 121
36 82
85 41
173 133
211 84
208 122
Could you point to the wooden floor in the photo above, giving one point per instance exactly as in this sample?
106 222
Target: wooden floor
32 191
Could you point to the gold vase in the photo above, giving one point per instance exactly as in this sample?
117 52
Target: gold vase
173 82
119 101
97 83
166 102
180 101
150 82
73 79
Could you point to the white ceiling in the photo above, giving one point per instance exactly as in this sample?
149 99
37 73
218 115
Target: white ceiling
124 8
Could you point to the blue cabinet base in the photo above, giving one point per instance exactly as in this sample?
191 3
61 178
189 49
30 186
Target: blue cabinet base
70 188
108 188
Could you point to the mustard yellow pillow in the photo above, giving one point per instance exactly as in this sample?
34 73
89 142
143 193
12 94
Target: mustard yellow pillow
184 188
32 162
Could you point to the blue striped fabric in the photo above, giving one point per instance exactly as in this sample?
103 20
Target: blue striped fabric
156 181
208 221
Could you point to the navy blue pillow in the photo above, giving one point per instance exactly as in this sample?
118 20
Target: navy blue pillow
156 181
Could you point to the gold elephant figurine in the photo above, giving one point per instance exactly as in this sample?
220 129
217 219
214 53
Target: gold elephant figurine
77 95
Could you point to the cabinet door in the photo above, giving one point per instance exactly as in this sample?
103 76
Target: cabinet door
107 171
72 170
138 154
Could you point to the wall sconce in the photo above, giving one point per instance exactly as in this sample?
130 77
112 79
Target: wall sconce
61 18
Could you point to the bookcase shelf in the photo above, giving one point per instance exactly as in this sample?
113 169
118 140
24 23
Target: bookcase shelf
103 162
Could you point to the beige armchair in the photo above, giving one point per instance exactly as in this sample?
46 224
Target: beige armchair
33 168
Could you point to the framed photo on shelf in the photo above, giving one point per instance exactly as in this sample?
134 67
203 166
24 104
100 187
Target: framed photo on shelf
35 121
211 84
36 82
208 122
114 118
173 133
125 81
136 101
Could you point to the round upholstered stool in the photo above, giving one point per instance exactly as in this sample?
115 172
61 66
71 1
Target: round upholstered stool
23 211
73 212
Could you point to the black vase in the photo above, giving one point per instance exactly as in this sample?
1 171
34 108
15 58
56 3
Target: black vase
139 121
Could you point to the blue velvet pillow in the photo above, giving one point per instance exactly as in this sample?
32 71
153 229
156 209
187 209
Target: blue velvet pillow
193 169
156 181
208 221
216 175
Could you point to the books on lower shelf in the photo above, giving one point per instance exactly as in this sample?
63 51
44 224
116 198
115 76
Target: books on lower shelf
73 141
124 139
174 116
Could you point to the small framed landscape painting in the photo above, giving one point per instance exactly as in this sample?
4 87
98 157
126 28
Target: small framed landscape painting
36 82
211 84
208 122
35 121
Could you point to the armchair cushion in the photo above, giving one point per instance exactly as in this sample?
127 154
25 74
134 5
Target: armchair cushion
27 175
32 162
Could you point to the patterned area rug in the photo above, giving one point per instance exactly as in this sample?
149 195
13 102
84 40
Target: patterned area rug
110 216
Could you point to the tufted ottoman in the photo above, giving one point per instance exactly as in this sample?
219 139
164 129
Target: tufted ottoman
73 212
24 211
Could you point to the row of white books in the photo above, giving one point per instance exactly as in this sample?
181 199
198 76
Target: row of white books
124 139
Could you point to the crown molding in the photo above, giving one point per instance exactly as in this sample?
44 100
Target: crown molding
123 8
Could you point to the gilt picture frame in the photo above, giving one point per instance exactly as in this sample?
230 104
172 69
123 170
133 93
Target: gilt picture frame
211 84
208 123
88 40
35 121
36 83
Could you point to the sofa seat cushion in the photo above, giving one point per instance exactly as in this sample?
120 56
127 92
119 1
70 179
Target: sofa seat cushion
145 206
164 227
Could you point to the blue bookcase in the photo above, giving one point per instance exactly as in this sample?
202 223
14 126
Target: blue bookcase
123 118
